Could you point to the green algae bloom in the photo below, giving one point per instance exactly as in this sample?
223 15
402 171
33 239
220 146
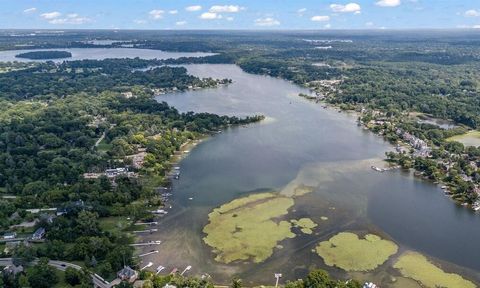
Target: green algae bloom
350 253
247 228
305 224
415 266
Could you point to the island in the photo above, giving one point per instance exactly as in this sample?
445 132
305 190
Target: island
44 55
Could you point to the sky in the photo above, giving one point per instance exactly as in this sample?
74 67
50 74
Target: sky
239 14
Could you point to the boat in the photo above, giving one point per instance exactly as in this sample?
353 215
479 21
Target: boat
159 211
377 169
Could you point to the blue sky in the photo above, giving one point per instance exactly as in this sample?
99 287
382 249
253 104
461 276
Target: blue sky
240 14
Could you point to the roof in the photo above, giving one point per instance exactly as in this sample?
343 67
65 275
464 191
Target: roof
40 231
127 272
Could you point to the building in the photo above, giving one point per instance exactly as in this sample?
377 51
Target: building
127 274
39 234
12 269
115 172
10 235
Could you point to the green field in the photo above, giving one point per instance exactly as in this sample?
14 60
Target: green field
471 138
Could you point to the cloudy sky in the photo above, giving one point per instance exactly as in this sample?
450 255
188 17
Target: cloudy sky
241 14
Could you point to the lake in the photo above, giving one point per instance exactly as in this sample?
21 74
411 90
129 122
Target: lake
102 53
300 143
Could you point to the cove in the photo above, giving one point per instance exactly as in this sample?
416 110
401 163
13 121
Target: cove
302 144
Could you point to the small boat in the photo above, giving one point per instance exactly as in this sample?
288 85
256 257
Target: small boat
159 211
377 169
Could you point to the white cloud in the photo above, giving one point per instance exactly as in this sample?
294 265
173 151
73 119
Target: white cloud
348 8
210 16
472 13
156 14
73 19
30 10
320 18
369 24
302 10
476 26
225 9
139 21
181 23
230 18
327 26
267 22
173 12
388 3
51 15
193 8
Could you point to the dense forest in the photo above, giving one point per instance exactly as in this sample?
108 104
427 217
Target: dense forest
41 55
52 119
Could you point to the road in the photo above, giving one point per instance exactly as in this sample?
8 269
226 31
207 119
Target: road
60 265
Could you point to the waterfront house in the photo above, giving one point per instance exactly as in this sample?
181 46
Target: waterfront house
13 270
127 274
39 234
10 235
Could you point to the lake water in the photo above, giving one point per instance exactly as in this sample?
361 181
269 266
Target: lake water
102 53
302 143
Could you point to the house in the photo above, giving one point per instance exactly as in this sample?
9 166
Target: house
127 274
12 269
10 235
39 234
115 172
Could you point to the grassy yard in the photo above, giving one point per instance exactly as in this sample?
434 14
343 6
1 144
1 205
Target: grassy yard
104 146
114 224
471 138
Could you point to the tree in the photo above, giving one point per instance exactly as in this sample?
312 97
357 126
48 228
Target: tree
72 276
236 283
23 255
23 281
88 223
42 275
124 284
319 279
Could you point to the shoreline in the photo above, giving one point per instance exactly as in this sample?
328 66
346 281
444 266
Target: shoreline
444 186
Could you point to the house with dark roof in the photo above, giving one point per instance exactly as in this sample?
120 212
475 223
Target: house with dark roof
127 274
12 269
39 234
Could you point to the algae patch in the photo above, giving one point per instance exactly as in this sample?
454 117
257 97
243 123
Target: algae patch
415 266
350 253
247 228
305 224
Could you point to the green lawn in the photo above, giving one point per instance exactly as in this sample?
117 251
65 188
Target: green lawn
114 224
471 138
104 146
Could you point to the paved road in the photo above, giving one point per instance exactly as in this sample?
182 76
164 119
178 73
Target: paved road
60 265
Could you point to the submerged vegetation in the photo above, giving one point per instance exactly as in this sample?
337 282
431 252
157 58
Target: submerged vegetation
415 266
247 229
351 253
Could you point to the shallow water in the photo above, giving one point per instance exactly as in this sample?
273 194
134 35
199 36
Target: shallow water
101 53
302 144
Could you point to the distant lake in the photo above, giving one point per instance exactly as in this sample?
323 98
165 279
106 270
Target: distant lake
102 53
304 143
